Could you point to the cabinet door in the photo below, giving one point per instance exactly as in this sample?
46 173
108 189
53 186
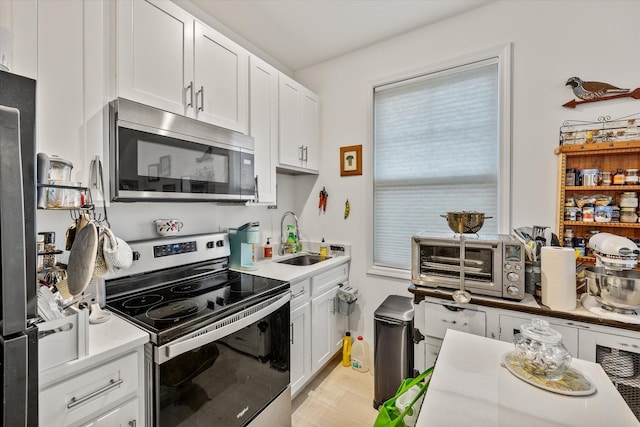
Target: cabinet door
510 325
60 93
155 54
221 80
123 416
263 126
309 129
300 347
290 146
325 341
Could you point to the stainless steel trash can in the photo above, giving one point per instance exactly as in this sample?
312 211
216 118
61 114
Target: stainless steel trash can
393 346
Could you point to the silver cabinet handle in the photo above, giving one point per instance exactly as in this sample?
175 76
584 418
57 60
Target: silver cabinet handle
190 89
299 294
112 384
291 340
305 152
133 423
201 92
301 157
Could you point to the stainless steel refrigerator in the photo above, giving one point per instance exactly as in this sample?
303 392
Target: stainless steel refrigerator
18 303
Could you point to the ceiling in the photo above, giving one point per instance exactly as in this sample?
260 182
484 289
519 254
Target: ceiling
301 33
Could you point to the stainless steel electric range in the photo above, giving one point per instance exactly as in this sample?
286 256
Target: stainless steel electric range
219 350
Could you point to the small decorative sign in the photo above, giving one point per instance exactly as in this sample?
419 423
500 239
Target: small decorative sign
351 160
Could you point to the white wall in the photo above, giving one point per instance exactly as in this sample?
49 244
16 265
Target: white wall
552 41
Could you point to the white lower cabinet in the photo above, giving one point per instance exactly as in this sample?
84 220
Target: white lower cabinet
104 394
438 317
316 327
122 416
300 367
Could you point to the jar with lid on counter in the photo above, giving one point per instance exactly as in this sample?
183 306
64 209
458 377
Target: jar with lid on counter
628 215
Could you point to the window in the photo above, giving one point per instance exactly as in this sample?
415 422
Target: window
440 145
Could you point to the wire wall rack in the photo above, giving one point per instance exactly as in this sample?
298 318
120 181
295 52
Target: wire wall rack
605 129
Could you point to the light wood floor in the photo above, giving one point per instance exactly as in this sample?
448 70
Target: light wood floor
338 396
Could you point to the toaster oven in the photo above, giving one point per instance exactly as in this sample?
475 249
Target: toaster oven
493 263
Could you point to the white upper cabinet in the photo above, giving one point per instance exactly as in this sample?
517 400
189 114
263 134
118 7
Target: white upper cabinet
169 60
298 144
263 126
221 80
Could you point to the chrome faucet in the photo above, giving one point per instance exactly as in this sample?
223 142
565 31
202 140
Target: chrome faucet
282 238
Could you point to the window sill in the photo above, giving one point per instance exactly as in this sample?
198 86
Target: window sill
394 273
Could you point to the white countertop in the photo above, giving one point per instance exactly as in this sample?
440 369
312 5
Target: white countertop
272 269
106 341
469 387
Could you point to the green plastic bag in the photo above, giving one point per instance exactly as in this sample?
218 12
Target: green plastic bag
390 415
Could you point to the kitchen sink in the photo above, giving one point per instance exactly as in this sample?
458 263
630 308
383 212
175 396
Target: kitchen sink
304 259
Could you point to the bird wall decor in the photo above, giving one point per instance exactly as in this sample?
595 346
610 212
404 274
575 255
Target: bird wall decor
596 91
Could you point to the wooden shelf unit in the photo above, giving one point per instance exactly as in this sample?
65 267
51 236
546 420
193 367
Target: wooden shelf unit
604 156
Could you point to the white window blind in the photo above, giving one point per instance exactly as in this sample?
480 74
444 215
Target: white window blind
436 150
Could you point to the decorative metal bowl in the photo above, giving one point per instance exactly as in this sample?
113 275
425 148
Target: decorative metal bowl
465 221
614 289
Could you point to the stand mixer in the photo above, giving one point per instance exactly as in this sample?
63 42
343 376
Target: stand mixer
613 282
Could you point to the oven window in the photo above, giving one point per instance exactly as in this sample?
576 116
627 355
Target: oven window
226 382
444 261
156 163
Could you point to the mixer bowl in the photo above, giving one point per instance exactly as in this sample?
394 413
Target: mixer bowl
618 289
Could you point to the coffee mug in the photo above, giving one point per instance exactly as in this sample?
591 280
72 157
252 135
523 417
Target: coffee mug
591 177
168 227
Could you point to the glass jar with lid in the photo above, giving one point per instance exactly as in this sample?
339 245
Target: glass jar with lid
628 215
628 199
631 177
539 350
619 177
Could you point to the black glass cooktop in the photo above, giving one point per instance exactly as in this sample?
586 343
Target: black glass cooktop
181 306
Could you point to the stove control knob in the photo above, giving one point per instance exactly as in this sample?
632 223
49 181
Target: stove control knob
513 277
220 301
220 243
136 255
209 245
513 291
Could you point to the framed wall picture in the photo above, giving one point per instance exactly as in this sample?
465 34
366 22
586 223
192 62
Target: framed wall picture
351 160
165 165
153 172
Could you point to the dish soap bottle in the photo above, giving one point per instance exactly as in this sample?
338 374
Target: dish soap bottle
268 250
292 244
323 248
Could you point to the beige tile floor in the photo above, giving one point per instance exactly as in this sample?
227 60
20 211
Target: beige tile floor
338 396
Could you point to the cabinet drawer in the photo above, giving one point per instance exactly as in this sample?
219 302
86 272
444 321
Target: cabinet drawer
89 393
300 293
439 318
326 280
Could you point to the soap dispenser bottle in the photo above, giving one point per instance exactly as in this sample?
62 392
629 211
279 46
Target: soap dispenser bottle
323 248
268 250
291 239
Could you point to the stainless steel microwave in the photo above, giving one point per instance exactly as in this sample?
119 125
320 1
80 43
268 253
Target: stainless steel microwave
493 264
160 156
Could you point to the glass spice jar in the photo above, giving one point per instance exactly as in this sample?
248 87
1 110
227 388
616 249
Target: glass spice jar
628 215
628 199
631 177
618 178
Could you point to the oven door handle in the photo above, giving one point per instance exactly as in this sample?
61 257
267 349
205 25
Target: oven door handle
220 329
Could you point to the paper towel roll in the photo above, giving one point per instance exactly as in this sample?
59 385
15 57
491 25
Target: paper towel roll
558 270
